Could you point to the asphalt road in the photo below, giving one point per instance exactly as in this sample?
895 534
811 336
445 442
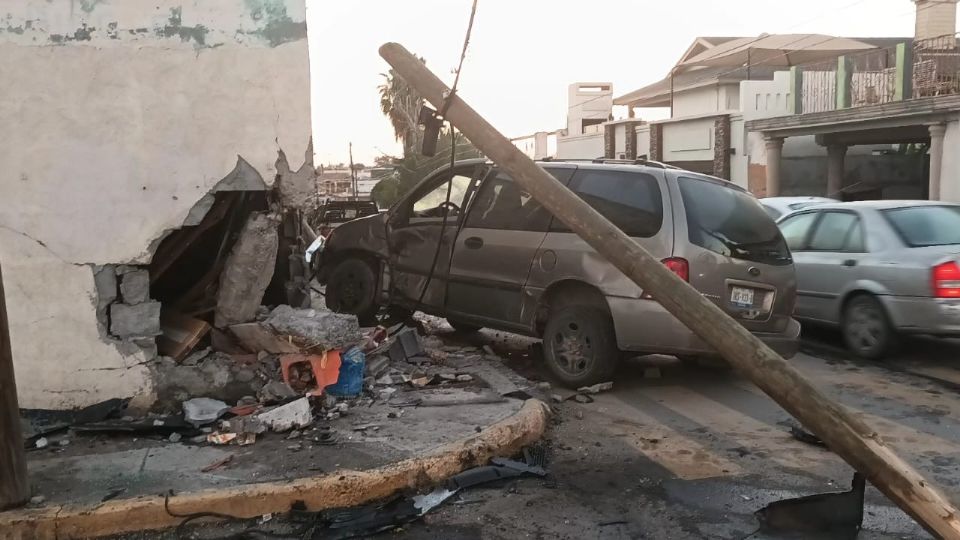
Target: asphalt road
695 452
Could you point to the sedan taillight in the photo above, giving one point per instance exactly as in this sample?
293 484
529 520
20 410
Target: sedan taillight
946 280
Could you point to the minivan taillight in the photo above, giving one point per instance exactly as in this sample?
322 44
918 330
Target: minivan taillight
678 266
946 280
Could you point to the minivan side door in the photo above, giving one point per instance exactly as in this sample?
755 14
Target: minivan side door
829 262
414 232
493 252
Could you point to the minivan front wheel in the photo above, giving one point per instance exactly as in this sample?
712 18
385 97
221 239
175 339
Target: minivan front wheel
866 329
352 288
580 345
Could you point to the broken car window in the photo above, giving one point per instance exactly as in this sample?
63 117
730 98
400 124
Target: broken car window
434 204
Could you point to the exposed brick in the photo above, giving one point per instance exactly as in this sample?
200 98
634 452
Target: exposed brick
721 147
141 320
135 287
609 141
656 142
630 130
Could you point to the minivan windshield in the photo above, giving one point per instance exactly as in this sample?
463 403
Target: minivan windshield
921 226
731 222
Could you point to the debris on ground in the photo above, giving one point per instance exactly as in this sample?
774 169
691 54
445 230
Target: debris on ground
313 329
203 411
833 515
805 436
296 414
596 389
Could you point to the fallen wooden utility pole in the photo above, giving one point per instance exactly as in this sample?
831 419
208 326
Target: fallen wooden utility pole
849 437
14 489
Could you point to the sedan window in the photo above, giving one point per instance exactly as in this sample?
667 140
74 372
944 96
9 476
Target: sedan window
795 230
838 231
921 226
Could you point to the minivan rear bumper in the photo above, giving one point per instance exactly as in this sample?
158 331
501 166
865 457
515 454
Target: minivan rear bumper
645 326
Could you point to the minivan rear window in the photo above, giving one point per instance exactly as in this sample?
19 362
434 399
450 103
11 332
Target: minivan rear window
921 226
731 222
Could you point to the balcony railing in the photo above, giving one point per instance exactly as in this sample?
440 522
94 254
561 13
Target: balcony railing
925 68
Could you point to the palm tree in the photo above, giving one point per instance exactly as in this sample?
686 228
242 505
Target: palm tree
401 104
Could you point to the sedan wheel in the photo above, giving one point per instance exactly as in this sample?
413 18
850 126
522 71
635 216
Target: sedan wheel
866 330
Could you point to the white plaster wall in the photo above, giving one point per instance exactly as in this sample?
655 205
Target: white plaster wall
689 140
698 101
109 141
764 99
620 140
643 140
583 147
950 167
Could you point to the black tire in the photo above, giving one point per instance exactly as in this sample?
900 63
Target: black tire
866 328
580 345
462 327
352 288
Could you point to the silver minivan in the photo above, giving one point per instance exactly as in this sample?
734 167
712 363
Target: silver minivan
470 245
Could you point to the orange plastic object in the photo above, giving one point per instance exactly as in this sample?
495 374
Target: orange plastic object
325 367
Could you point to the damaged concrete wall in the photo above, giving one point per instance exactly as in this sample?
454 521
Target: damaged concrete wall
119 118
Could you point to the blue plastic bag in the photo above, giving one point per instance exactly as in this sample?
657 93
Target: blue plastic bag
350 383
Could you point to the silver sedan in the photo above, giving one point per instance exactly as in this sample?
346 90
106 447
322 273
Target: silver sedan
877 269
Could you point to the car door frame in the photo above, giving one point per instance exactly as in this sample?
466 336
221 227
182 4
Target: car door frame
827 308
399 222
520 323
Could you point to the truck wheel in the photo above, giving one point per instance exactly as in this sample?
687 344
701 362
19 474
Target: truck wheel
866 329
352 288
580 345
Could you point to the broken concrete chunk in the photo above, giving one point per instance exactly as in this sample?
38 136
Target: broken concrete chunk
596 389
295 414
141 320
203 411
247 424
275 391
135 287
464 378
256 339
318 329
377 365
247 271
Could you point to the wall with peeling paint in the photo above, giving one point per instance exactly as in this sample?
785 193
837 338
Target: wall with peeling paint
117 118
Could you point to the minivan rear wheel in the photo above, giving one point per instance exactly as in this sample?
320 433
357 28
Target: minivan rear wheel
352 288
580 345
866 329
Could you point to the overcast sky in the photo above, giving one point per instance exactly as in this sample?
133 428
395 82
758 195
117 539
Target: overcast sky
524 53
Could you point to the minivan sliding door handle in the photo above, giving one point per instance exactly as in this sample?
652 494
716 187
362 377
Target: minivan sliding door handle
474 242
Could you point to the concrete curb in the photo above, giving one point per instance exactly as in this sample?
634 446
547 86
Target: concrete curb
338 489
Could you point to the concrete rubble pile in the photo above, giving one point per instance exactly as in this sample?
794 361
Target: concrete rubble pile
295 372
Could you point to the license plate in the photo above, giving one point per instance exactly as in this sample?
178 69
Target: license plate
741 296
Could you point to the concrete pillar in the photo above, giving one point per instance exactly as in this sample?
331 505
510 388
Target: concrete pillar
774 153
656 142
630 136
721 147
936 159
836 154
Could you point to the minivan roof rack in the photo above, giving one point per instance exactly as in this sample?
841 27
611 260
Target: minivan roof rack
639 161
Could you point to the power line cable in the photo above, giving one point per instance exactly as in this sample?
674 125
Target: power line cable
453 157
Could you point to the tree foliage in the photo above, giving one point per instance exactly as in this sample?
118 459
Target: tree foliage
401 105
